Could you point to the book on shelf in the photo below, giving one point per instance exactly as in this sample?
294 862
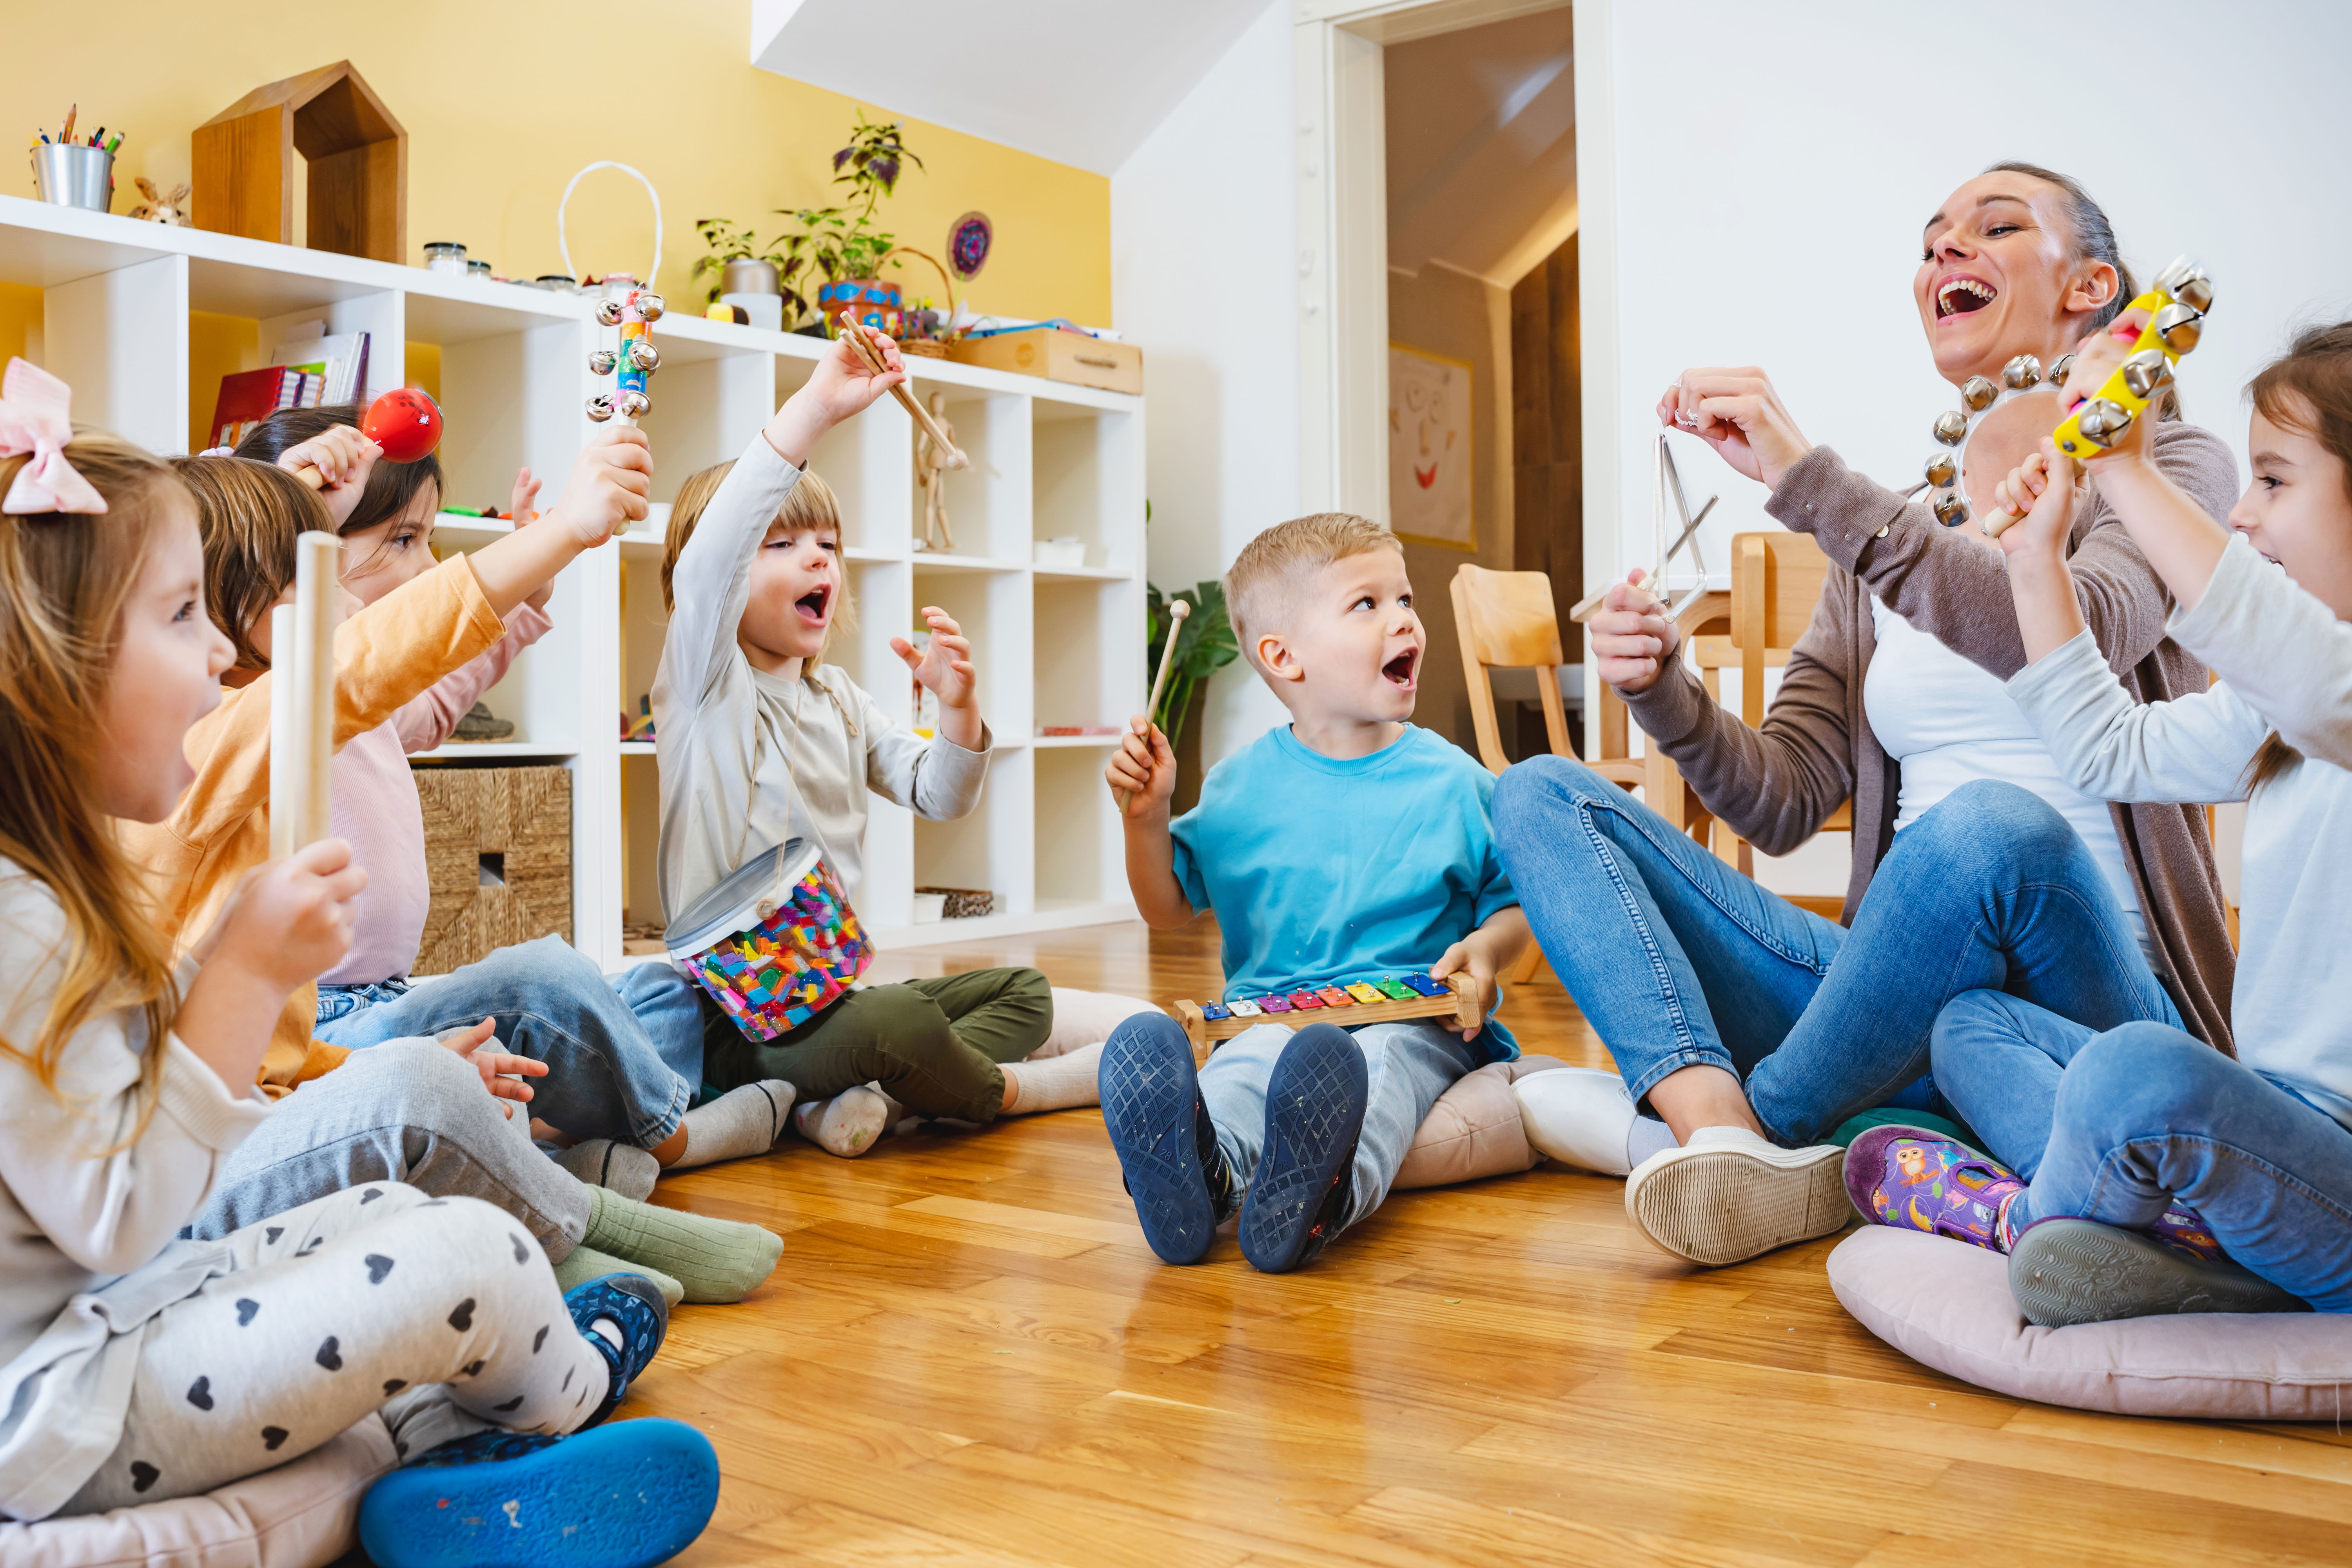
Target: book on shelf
339 359
248 397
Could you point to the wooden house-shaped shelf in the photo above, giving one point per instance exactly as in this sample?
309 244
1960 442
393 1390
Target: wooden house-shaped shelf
357 153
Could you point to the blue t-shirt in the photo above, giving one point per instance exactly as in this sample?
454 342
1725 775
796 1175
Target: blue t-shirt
1323 871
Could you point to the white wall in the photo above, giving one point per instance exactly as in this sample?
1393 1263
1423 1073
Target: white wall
1203 219
1770 167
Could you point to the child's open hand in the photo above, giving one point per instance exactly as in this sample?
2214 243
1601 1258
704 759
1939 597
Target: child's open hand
1145 768
290 920
344 458
946 666
1473 958
1632 637
523 506
610 482
502 1073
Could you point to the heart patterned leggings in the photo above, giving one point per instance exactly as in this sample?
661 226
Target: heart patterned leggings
440 1312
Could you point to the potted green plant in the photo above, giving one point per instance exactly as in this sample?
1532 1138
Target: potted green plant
1205 644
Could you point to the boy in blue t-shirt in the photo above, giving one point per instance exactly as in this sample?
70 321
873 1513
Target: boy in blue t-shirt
1344 846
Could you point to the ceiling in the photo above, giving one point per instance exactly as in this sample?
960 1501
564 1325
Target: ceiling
1080 82
1482 146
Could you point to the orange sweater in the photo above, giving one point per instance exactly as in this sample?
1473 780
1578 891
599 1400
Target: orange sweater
384 655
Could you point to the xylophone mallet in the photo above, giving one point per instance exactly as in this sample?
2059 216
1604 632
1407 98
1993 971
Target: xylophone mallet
1177 610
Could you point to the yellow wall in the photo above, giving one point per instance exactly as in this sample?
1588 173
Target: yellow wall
505 100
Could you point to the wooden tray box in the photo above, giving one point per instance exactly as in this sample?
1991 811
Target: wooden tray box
1056 356
497 855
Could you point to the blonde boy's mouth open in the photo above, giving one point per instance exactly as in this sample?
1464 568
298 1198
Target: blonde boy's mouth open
1397 671
812 605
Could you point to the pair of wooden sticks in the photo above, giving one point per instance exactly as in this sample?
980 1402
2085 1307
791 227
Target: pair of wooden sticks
853 333
302 695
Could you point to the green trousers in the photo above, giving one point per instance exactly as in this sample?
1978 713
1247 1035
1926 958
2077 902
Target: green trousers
934 1045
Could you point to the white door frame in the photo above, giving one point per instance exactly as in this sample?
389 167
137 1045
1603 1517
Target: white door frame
1343 294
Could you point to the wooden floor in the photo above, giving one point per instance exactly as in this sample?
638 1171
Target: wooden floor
969 1356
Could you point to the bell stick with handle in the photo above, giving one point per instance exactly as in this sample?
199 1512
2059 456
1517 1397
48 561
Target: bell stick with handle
1177 610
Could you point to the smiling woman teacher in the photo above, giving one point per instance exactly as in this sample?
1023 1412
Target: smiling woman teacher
1752 1028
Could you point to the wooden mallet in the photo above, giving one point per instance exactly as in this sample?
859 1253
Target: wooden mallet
851 333
1177 610
302 695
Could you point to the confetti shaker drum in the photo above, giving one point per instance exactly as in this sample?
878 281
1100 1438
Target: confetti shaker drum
775 944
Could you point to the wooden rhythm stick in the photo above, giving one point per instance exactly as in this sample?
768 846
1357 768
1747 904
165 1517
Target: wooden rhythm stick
302 695
1588 607
856 334
1458 1007
1177 610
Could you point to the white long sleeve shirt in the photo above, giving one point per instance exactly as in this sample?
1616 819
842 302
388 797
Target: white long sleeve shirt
87 1213
748 760
2286 664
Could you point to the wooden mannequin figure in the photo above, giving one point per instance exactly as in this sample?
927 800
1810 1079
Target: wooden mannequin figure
933 463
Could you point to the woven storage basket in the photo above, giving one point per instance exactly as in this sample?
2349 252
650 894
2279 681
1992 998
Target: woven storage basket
497 851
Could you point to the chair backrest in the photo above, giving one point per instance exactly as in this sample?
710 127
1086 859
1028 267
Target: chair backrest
1507 619
1776 581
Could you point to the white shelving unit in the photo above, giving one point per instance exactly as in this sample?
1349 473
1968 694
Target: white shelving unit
1059 647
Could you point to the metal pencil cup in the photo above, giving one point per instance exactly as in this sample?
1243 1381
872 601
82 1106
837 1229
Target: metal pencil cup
74 176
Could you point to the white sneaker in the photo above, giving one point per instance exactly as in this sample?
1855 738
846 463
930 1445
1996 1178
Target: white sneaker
1579 1115
1726 1197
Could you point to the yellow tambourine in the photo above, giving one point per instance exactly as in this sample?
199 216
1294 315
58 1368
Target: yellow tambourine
2176 308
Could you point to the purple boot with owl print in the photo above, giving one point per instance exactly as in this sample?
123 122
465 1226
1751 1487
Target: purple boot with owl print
1916 1180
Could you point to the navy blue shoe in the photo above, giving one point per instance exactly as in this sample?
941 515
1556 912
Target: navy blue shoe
1167 1144
626 1496
1315 1101
632 1303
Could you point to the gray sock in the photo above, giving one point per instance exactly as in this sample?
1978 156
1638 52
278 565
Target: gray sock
741 1122
622 1168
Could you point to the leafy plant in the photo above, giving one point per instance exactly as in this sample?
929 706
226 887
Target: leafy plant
830 243
1204 645
728 243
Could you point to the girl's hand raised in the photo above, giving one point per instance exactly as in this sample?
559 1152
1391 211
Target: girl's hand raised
2039 493
610 482
842 386
2096 359
344 458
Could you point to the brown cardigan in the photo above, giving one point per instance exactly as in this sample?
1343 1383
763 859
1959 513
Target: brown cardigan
1775 786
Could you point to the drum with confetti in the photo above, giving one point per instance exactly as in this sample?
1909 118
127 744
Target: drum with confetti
775 944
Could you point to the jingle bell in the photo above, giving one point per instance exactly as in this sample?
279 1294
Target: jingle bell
1952 427
601 361
2104 420
600 407
2187 284
643 355
2147 373
1941 471
1950 510
650 307
631 404
2059 368
2022 373
2179 327
1978 394
608 312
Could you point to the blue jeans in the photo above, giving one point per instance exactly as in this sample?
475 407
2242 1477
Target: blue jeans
2114 1125
1679 961
1409 1064
608 1046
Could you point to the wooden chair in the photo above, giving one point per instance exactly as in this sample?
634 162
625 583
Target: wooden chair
1776 581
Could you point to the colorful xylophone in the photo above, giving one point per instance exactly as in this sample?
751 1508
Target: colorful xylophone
1386 1000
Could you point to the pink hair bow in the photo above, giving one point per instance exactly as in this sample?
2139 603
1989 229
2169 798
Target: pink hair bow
33 419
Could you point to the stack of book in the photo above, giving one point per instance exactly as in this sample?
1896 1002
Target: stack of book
311 371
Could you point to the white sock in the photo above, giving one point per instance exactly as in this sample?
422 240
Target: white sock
1647 1136
849 1124
1056 1083
1726 1135
622 1168
745 1121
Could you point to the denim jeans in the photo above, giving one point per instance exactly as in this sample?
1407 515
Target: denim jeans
2113 1125
608 1076
1409 1064
1679 961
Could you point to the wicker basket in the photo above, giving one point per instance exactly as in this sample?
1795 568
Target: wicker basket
964 903
497 853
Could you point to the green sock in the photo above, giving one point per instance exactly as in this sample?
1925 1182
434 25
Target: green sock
585 1263
713 1260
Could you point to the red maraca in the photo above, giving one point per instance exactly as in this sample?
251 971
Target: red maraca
405 422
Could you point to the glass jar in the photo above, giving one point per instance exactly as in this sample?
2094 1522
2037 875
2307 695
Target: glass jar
444 256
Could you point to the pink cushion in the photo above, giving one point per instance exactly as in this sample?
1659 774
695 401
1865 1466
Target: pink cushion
1473 1130
1947 1304
303 1514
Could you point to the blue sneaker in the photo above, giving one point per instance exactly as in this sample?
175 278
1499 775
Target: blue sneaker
631 1303
626 1496
1315 1101
1167 1145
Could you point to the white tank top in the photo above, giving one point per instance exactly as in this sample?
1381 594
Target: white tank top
1948 721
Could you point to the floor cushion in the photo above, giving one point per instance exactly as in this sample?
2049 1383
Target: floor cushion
1947 1303
303 1514
1473 1130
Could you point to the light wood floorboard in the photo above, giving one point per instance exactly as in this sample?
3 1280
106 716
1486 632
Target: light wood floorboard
969 1357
